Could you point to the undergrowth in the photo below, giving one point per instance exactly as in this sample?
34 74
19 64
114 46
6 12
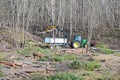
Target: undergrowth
29 49
63 57
1 73
25 51
76 64
105 49
89 65
58 76
58 58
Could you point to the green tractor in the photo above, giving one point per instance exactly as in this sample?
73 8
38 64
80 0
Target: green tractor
79 42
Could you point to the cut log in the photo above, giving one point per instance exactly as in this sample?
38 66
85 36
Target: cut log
10 64
34 71
6 63
26 74
20 75
50 70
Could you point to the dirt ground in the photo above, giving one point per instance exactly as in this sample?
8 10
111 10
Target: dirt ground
27 64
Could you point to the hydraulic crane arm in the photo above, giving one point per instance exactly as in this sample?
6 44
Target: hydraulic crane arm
61 30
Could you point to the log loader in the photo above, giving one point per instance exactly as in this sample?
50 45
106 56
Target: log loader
77 42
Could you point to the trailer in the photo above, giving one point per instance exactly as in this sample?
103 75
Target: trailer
56 42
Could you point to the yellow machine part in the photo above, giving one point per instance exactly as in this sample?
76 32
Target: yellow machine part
75 44
50 27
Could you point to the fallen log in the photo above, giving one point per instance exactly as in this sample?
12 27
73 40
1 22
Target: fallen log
11 64
50 70
34 71
20 75
26 74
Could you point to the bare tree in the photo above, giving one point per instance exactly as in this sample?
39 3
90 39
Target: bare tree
90 18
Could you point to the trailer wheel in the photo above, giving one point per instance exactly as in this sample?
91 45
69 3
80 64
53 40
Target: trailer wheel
75 44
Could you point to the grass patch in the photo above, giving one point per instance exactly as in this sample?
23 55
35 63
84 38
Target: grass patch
117 54
30 43
70 57
3 59
105 49
3 56
28 50
44 50
76 64
91 65
44 58
1 73
60 58
58 76
25 51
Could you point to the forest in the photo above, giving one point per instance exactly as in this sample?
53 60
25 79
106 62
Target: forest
23 28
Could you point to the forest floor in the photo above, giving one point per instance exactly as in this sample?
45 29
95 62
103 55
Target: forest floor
34 62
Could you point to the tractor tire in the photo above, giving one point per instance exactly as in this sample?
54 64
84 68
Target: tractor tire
75 44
